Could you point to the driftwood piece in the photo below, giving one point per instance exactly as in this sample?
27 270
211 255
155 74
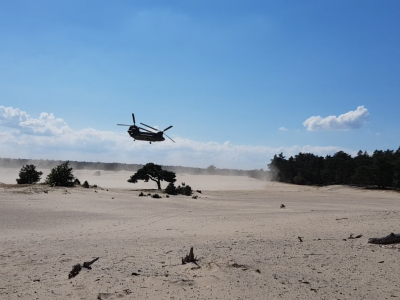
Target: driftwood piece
390 239
354 237
78 267
189 258
87 264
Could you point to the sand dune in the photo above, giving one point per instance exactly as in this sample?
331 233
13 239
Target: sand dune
247 246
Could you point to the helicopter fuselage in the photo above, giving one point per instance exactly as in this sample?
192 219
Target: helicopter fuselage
142 134
136 134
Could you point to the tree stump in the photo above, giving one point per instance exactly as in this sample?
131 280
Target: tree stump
75 271
189 258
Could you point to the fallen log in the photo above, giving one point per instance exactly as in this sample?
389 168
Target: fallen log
390 239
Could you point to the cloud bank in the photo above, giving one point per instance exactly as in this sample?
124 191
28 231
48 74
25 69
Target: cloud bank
350 120
49 137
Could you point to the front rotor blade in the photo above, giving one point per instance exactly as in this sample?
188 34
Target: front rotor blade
167 128
150 127
145 129
123 125
133 117
169 137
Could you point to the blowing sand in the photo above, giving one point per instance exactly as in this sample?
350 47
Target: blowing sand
247 246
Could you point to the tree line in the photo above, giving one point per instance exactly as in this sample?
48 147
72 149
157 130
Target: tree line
381 169
80 165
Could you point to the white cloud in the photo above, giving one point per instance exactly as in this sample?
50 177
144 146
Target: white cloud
47 124
351 120
283 129
26 140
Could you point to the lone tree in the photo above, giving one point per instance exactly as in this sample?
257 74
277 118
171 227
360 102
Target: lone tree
28 175
153 172
61 175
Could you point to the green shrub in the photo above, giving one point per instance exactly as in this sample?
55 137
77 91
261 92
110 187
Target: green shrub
85 184
28 175
61 176
187 190
156 196
141 194
77 182
298 179
171 189
184 190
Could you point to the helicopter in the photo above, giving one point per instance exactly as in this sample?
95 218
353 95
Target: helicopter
146 135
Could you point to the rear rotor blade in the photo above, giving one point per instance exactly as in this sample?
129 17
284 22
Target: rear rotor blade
133 117
167 128
169 137
150 127
123 125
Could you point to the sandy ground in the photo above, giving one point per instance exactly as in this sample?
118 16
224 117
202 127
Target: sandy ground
247 246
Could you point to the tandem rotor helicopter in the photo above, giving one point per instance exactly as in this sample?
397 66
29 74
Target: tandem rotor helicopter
146 135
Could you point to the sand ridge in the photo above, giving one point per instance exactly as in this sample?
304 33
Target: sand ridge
247 246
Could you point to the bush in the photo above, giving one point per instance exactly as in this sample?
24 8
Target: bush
28 175
156 196
61 176
141 194
184 190
180 190
298 179
195 197
187 190
77 181
171 189
85 184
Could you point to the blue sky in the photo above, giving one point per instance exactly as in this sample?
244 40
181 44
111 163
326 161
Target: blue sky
238 80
